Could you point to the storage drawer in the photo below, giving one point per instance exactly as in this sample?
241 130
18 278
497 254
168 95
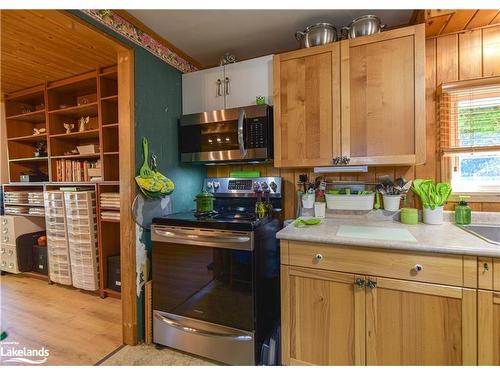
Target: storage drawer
433 268
8 258
79 204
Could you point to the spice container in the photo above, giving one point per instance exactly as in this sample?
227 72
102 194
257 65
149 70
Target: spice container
409 216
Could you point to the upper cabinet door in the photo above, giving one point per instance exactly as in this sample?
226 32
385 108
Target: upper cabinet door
203 91
246 80
383 97
307 107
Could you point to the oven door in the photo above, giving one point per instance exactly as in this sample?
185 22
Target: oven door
203 292
231 135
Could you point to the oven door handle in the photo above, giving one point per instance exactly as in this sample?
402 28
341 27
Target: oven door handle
241 139
194 237
174 324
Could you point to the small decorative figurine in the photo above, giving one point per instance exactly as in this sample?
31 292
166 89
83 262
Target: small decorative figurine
68 127
39 131
82 122
40 149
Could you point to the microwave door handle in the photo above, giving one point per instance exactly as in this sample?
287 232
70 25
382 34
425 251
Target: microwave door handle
241 140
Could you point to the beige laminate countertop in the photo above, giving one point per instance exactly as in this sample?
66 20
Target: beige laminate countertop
446 238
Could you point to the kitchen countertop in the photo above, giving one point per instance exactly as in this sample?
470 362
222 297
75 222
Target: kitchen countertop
446 238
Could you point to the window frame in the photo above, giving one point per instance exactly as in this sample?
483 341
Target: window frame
449 158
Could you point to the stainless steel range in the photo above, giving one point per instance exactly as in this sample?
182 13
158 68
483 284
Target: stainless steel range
216 277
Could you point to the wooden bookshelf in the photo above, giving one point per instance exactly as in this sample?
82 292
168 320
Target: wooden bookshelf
49 107
109 239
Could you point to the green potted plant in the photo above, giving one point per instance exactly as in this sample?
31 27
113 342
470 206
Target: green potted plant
433 197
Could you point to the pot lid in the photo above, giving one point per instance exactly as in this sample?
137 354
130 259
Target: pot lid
319 24
366 17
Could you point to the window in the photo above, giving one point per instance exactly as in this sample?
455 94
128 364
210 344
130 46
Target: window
469 135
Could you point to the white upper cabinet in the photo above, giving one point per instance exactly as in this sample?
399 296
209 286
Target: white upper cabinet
246 80
230 86
203 90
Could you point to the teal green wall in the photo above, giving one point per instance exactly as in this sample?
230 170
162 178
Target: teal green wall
158 106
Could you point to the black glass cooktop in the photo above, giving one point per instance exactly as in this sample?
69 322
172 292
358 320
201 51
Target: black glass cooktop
231 220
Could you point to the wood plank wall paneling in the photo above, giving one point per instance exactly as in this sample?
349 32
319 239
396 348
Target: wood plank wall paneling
461 56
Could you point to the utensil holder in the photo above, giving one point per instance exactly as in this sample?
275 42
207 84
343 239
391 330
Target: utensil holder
391 202
308 200
319 209
434 217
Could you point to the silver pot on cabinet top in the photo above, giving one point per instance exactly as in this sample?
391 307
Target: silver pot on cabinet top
317 35
363 26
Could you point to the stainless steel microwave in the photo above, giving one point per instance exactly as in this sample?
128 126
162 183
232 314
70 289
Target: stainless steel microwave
236 135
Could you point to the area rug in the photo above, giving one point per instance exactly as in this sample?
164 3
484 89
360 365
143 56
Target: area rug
150 355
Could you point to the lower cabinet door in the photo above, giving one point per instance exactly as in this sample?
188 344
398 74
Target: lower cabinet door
412 323
488 328
323 319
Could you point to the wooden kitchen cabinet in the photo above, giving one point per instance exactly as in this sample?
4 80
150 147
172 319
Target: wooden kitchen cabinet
488 328
336 310
323 317
383 97
361 98
411 323
307 106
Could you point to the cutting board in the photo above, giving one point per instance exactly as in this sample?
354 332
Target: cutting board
375 233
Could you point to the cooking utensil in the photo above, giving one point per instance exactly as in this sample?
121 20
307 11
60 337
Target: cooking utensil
362 26
317 35
377 200
145 171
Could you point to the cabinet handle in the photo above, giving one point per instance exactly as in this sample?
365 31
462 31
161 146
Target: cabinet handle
360 282
318 257
486 267
219 84
371 284
418 267
226 86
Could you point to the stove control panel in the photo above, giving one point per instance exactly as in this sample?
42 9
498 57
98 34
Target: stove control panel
244 186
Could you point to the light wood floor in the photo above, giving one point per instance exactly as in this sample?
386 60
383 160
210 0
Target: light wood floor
77 328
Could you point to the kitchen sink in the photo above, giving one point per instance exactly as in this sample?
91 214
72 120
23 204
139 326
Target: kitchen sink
489 233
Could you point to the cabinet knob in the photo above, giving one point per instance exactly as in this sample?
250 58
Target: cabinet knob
318 257
486 267
5 230
371 284
360 282
418 267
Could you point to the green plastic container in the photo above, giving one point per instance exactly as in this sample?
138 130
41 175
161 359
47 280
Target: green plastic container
409 215
463 211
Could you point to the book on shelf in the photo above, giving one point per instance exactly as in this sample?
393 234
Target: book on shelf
77 170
